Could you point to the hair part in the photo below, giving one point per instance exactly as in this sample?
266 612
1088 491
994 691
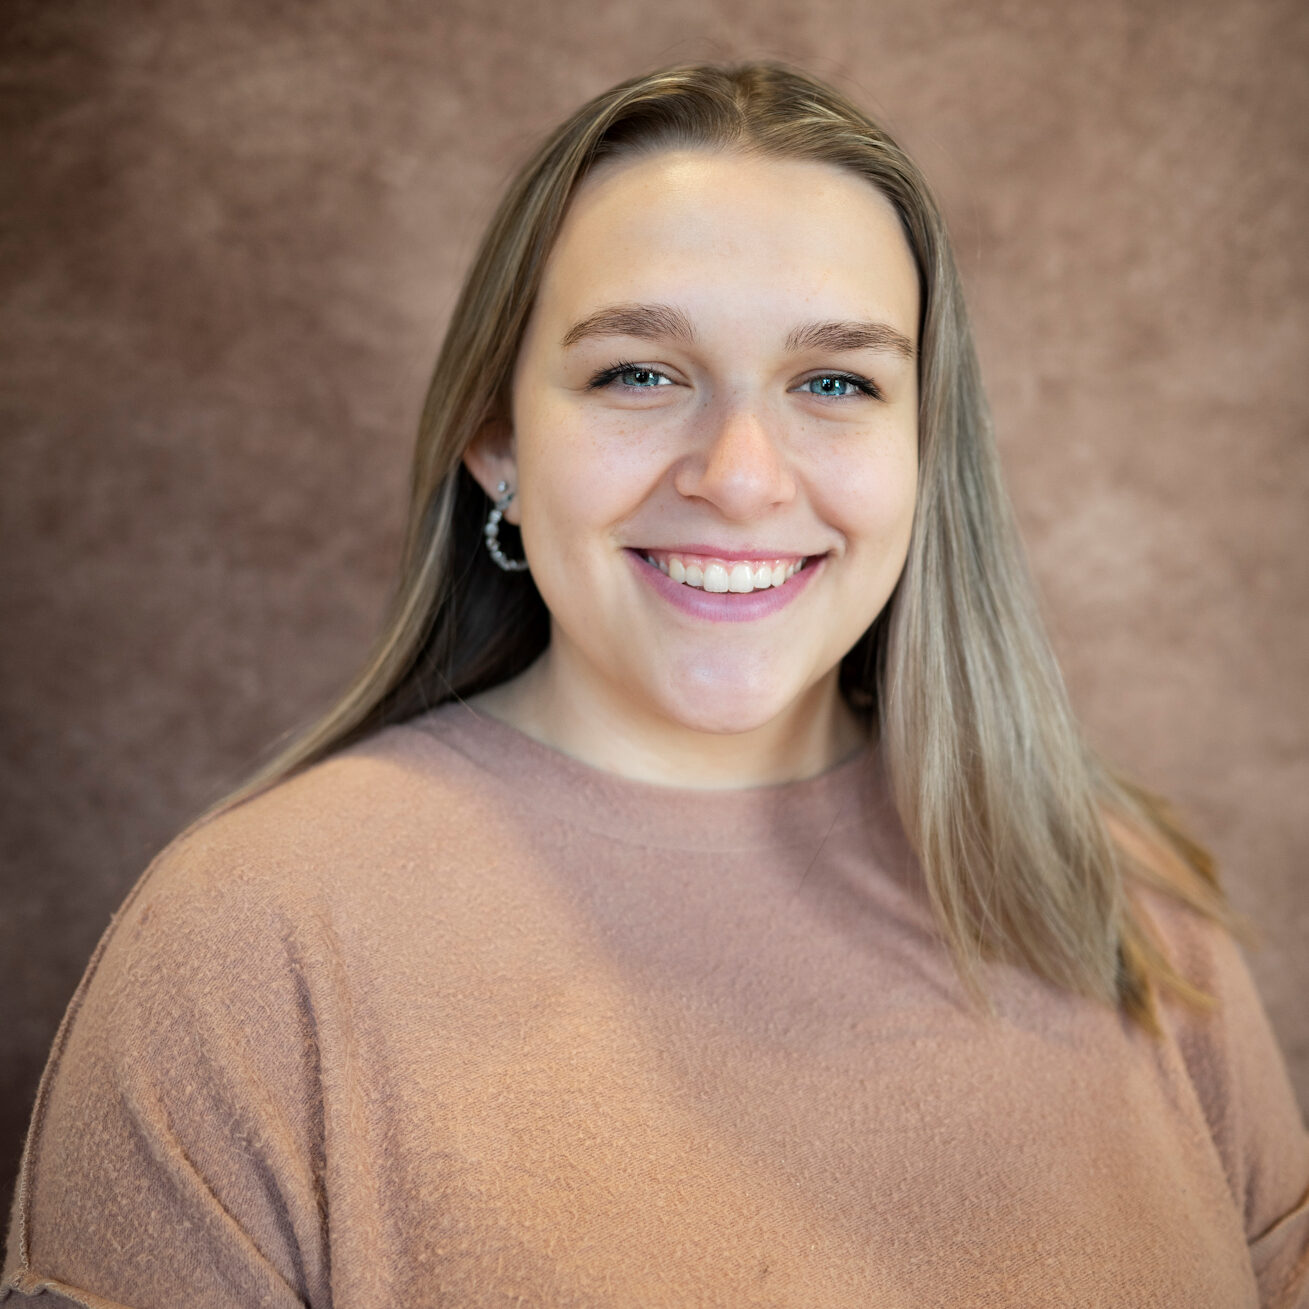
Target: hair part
1030 847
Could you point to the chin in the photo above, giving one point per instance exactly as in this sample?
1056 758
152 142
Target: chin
724 724
727 710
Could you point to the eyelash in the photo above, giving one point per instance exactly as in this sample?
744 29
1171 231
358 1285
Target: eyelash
611 374
864 385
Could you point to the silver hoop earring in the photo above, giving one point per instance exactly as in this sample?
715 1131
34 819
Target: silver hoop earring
492 532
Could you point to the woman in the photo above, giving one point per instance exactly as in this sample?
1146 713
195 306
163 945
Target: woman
704 896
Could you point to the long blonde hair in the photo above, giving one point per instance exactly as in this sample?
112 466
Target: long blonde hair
1030 847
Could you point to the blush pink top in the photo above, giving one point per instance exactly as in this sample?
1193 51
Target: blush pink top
453 1020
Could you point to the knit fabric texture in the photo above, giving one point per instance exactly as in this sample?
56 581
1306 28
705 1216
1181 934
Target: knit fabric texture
451 1019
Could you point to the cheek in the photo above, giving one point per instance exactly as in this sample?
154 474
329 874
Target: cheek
580 479
869 495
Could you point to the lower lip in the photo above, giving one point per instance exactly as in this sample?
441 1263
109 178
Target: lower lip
725 606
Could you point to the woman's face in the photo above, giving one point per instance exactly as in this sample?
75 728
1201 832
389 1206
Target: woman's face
714 438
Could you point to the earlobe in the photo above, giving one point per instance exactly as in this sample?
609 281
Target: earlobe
490 459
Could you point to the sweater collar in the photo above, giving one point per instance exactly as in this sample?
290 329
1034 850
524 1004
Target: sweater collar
564 789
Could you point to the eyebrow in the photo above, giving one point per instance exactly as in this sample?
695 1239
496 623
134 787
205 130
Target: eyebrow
664 322
850 336
650 322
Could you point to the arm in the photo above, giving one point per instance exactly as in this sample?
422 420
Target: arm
1240 1077
171 1155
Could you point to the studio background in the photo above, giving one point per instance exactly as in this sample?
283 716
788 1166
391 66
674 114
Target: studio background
232 234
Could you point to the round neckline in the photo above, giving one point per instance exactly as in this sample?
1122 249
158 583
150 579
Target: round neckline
564 789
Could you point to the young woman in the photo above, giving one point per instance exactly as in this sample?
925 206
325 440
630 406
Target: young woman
704 897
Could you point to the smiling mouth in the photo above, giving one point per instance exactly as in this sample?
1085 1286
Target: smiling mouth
720 576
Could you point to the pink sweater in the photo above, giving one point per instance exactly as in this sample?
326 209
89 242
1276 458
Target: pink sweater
454 1020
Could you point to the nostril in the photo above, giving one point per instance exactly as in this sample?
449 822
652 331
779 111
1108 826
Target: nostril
741 474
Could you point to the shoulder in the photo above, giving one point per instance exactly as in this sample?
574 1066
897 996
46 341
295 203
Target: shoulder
253 901
408 773
224 992
1228 1044
367 808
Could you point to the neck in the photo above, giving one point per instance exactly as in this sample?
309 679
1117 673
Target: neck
815 733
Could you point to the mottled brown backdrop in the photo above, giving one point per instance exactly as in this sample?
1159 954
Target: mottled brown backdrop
231 235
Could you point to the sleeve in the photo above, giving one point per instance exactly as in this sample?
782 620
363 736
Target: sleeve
174 1155
1241 1079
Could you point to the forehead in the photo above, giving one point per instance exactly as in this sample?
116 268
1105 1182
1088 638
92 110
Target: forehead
706 223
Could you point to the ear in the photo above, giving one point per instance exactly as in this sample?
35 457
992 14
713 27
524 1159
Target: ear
490 459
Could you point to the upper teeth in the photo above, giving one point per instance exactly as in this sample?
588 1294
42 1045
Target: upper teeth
740 575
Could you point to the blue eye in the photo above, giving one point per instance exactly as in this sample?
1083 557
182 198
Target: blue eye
641 377
838 386
635 377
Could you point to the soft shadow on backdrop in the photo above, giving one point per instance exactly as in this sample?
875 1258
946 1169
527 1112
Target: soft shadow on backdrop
233 232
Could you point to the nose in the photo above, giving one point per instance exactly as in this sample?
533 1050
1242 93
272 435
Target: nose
739 467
